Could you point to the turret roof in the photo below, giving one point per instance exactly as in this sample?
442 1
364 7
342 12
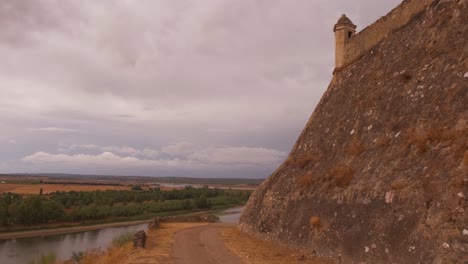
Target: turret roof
344 21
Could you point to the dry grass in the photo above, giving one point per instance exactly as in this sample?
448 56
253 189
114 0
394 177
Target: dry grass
314 222
341 175
256 251
356 147
421 138
398 184
113 255
305 181
49 188
159 245
383 141
158 248
6 187
364 104
303 160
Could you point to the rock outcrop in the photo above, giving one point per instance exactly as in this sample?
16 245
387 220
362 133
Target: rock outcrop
379 173
154 224
139 239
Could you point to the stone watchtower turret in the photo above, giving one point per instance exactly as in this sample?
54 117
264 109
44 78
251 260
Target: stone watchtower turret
344 30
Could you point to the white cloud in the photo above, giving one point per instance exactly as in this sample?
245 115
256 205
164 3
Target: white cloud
103 159
179 149
148 152
197 157
123 150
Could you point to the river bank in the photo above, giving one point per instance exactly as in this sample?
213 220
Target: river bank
66 230
51 230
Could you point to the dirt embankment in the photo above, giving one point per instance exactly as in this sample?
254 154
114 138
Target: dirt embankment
202 243
199 243
252 250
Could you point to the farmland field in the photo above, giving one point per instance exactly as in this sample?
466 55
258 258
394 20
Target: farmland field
49 188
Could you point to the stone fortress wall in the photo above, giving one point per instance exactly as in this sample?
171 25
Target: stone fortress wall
378 174
367 38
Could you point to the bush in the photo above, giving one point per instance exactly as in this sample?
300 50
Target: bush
45 259
136 188
122 239
341 175
356 147
202 202
304 159
305 181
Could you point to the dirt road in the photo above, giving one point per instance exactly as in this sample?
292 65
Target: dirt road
203 245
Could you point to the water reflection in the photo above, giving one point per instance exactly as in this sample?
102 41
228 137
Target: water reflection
24 250
231 216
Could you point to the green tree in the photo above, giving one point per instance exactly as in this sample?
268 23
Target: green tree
136 188
202 202
51 211
27 212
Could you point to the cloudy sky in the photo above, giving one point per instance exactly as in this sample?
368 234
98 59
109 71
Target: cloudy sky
163 87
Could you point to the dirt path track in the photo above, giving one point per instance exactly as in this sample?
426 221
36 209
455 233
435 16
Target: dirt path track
203 245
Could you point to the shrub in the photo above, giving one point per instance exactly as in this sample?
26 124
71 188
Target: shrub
45 259
398 184
314 222
435 133
122 239
418 139
341 175
136 188
202 202
355 148
382 141
77 257
303 160
110 256
305 181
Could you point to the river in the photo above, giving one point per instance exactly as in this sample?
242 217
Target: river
231 216
25 250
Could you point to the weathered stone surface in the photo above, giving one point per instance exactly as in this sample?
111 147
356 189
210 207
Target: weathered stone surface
139 239
383 159
154 224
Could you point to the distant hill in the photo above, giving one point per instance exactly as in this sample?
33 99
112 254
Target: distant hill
118 180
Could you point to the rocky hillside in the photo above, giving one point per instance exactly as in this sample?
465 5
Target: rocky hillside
379 173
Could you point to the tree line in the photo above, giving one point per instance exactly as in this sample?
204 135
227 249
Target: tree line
96 205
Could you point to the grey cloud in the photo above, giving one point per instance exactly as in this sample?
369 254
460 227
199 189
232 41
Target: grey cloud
146 75
53 129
